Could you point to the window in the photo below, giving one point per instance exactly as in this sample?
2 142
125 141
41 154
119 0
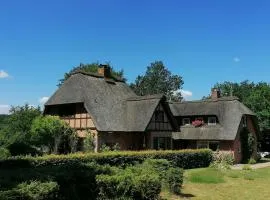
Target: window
212 121
161 143
67 110
202 144
185 121
159 116
244 121
214 145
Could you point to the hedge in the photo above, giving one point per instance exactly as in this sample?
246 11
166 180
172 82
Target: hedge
186 159
75 174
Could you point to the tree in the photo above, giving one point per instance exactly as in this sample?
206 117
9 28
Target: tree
90 68
255 96
158 79
53 133
3 121
16 135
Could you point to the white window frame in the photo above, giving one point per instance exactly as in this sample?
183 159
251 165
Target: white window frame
186 118
209 119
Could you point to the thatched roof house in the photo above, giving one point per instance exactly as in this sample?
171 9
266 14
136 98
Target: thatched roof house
105 106
111 109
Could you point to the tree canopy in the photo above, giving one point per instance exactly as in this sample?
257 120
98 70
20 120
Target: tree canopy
158 79
90 68
52 132
255 96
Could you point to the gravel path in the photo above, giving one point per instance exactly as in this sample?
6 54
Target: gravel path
255 166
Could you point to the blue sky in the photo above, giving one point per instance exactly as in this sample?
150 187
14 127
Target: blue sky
203 41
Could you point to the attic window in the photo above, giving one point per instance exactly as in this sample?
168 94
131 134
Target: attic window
185 121
159 116
212 121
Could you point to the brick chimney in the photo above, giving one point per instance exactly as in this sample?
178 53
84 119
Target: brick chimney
215 93
105 71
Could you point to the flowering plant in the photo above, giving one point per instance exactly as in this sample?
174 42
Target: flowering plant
197 123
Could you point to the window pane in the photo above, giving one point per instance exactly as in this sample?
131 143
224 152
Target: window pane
211 120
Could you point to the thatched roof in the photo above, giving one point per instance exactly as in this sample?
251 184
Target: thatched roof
228 110
112 104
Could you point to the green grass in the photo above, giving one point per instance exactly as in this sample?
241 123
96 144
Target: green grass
208 175
229 184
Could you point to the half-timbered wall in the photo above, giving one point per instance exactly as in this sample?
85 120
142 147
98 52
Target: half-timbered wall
75 115
160 120
159 130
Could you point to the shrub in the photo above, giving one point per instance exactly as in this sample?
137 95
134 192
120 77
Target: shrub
174 179
247 144
105 148
37 190
133 182
222 160
161 166
171 177
4 153
76 180
88 143
251 161
186 159
34 190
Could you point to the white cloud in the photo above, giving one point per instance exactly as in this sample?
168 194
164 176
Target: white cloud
4 109
43 100
186 94
236 59
3 74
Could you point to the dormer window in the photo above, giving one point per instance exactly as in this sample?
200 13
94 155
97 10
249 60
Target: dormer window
212 121
186 121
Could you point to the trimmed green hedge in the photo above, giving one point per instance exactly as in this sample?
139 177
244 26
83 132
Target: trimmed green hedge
186 159
75 174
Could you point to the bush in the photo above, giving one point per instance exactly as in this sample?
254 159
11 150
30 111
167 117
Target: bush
4 153
37 190
88 143
76 180
76 173
174 179
222 160
133 182
186 159
251 161
161 166
171 177
247 144
33 190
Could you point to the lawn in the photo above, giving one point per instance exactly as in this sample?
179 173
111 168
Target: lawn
208 183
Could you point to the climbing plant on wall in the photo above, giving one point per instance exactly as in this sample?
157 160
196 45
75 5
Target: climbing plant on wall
247 144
